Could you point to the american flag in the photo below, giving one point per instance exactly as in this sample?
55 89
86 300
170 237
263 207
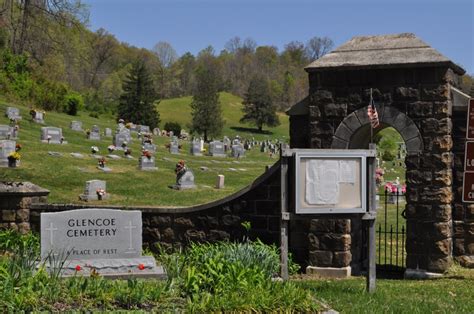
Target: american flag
372 113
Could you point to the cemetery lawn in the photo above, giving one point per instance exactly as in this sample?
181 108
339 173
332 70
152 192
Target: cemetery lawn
65 176
451 294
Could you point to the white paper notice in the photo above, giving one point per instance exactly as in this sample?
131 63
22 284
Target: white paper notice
322 182
347 171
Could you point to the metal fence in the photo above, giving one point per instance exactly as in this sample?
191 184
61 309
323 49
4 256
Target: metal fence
391 232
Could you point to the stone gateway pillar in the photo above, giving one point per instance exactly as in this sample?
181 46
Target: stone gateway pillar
413 88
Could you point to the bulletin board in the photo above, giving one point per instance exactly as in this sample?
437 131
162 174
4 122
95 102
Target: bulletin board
331 182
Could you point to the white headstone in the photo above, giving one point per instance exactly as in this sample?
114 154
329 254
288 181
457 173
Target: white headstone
13 113
147 164
6 148
54 134
220 181
76 125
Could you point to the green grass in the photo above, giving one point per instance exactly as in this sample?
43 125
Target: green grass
65 176
179 110
451 294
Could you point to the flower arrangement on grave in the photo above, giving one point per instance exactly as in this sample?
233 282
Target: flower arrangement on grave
88 132
34 111
180 169
394 188
48 138
102 162
100 193
121 121
124 144
61 140
18 147
379 176
127 152
94 149
146 153
14 156
111 148
129 125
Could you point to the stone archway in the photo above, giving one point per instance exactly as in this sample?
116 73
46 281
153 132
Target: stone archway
354 130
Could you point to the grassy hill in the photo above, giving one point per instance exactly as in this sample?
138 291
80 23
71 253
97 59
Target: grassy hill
232 111
65 176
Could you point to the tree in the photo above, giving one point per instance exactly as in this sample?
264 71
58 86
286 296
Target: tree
318 47
167 56
258 105
206 108
137 100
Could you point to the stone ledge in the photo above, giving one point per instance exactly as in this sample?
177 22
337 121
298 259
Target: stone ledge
21 189
420 274
329 272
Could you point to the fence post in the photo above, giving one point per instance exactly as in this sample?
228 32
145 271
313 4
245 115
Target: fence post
285 215
370 219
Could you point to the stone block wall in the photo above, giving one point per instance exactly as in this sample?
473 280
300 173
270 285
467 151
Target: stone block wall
15 203
417 103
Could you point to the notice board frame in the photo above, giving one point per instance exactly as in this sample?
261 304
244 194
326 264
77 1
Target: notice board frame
355 154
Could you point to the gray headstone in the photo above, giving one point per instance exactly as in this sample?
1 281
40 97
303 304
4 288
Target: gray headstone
5 132
157 131
220 181
39 117
55 154
106 240
147 164
174 147
13 113
55 135
94 133
76 125
90 191
143 129
149 147
120 138
108 132
238 151
77 155
113 156
196 148
186 181
6 148
216 148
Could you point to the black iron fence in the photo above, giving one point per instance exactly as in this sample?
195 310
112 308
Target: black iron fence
391 232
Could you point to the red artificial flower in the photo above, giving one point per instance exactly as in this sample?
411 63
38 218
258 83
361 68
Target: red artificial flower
141 266
78 268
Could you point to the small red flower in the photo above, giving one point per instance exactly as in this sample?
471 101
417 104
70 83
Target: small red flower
78 268
141 266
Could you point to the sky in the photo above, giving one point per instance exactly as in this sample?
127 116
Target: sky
192 25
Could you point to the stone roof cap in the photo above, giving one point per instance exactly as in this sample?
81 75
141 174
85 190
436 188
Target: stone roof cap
383 51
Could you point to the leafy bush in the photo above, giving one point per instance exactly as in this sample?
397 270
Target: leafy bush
74 103
173 126
388 156
94 115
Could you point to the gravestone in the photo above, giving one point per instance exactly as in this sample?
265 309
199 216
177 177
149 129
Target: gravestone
238 151
220 181
55 135
227 143
201 144
38 117
13 113
122 137
216 148
149 147
185 181
174 147
108 132
6 148
94 133
157 132
76 126
5 132
106 242
91 191
196 148
143 129
147 164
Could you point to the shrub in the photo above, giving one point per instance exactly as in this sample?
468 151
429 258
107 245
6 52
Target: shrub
388 156
173 126
94 115
74 103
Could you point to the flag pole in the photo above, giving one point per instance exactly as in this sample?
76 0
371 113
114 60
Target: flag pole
371 104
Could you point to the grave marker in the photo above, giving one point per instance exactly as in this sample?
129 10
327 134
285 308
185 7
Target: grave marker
94 133
94 190
217 149
52 135
196 148
147 164
76 126
6 148
104 240
13 113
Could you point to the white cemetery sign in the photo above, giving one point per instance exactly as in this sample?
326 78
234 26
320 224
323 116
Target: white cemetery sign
331 181
106 240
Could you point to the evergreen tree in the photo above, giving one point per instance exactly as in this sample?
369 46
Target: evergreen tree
258 105
206 108
137 100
